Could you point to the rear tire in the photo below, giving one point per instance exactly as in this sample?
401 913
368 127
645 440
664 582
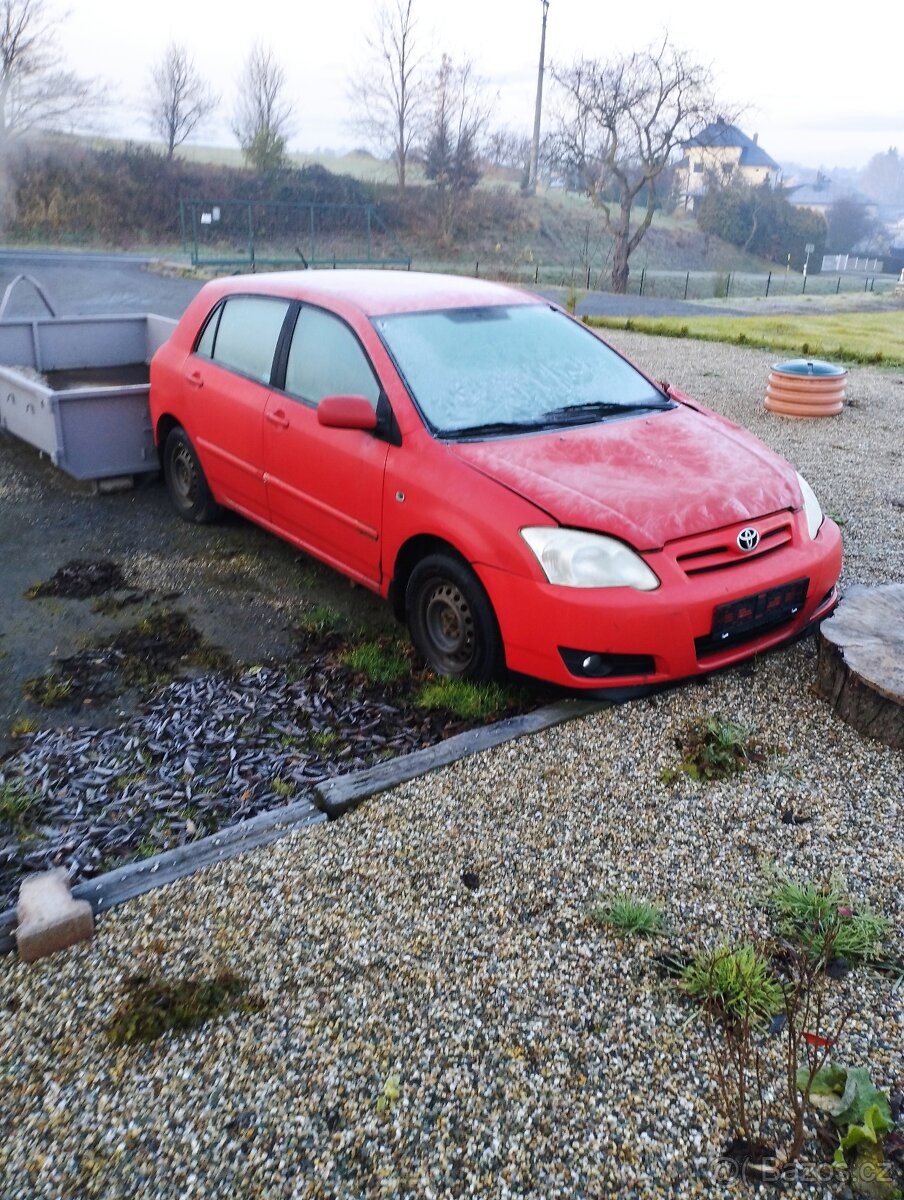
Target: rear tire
451 620
188 489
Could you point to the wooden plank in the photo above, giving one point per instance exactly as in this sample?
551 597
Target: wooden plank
125 883
338 795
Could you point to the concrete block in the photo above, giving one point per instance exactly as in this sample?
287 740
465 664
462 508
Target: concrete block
48 918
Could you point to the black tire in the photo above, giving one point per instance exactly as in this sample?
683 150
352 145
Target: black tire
185 482
451 620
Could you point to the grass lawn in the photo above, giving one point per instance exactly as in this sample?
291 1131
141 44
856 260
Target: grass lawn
867 337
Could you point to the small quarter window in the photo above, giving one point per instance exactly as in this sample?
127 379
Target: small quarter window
209 333
326 359
246 335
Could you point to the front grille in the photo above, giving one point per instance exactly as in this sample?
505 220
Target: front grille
718 550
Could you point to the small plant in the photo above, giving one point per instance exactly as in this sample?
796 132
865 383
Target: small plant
15 801
49 689
715 749
153 1007
629 915
861 1115
23 727
320 620
820 918
470 701
735 985
325 740
381 662
283 787
390 1093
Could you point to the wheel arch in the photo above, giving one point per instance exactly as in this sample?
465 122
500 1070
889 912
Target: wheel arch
166 423
410 554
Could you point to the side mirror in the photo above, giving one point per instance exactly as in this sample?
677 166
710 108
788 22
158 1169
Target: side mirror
347 412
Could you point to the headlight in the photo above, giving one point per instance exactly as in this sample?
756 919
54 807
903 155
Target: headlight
572 558
812 510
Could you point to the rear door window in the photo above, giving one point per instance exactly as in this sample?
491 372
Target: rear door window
326 359
244 337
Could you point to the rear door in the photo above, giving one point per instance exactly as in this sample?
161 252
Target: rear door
325 486
229 379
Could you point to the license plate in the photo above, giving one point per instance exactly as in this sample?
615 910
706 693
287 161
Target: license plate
759 611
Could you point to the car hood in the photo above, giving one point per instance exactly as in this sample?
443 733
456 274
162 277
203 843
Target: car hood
648 478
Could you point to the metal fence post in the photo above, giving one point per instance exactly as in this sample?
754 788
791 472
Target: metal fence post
728 285
687 280
838 286
588 279
251 232
768 281
643 272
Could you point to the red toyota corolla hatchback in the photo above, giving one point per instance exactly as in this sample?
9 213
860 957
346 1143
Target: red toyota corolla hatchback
523 496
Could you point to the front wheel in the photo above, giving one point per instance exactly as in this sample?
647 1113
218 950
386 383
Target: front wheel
451 620
188 489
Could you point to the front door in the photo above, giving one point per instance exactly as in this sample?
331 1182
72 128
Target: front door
325 486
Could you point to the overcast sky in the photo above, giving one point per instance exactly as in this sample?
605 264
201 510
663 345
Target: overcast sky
815 92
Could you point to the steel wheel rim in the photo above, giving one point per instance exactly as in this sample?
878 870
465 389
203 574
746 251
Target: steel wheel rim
184 476
449 626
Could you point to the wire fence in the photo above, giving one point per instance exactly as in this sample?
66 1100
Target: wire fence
253 233
690 285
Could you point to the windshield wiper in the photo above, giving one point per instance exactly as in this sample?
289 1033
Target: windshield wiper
492 427
601 408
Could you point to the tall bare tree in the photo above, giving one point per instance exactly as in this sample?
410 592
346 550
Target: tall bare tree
390 95
35 93
180 98
621 122
263 114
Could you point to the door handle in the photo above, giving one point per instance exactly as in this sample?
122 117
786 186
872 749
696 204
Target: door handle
195 379
278 417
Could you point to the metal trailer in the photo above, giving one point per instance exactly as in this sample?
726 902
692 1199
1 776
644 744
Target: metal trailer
76 388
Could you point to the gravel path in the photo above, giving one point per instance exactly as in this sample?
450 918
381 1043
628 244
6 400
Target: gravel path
440 934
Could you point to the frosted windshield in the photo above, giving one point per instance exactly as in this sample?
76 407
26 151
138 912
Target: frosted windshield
467 368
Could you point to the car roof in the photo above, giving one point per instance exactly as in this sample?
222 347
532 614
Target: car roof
376 292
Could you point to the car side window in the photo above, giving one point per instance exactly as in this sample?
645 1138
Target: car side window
326 359
245 336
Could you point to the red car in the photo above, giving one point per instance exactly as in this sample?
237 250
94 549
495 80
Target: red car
524 497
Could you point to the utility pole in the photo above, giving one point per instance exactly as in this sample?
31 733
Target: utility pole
535 144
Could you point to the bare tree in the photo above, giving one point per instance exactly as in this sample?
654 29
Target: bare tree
621 122
180 98
262 115
390 97
35 93
452 147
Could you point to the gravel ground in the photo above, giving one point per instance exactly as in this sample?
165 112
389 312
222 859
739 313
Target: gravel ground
440 934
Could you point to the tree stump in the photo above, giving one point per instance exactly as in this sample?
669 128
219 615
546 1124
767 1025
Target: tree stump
860 670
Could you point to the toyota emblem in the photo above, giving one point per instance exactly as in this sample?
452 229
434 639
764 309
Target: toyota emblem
748 539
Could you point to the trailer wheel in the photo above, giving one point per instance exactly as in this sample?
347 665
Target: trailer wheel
185 482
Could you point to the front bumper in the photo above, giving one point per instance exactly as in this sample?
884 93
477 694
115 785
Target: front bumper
656 637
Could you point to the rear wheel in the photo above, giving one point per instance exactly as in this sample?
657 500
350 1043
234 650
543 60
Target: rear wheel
185 482
451 619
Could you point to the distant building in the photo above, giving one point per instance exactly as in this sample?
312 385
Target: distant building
720 155
821 194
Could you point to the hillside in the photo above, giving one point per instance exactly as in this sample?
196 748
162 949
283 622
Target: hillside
127 196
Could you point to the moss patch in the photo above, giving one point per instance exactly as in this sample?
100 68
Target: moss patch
152 1007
